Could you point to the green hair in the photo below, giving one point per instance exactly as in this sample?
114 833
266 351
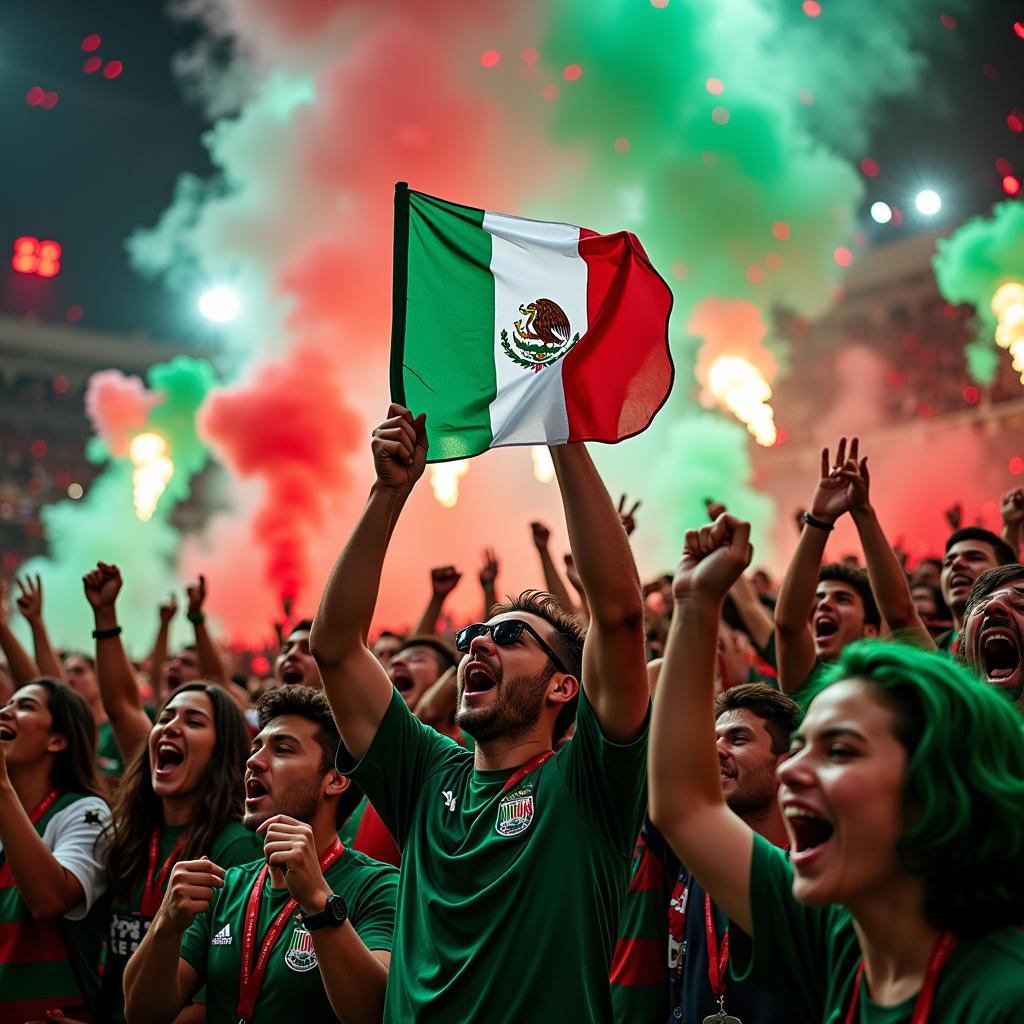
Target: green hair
963 794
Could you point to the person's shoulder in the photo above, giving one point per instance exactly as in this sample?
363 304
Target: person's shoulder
356 863
236 844
1003 948
81 809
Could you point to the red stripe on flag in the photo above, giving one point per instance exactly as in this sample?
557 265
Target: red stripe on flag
620 373
638 962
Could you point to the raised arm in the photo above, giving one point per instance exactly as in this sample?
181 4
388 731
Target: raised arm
684 784
30 603
885 573
1012 508
19 661
443 580
355 683
614 662
157 981
48 888
583 611
489 581
793 637
553 582
119 689
158 655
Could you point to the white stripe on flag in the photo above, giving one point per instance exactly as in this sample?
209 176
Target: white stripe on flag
532 260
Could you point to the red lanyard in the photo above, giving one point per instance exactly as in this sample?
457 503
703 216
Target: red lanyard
44 805
252 972
152 892
517 776
922 1008
718 959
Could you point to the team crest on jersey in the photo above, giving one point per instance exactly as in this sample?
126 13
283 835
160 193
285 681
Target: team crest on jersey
300 955
515 812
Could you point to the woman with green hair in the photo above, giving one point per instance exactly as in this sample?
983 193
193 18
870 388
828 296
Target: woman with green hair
903 889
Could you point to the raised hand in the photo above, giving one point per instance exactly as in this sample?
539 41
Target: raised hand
627 516
489 570
399 448
714 558
955 515
1012 505
444 579
541 536
30 601
289 848
834 494
196 596
189 892
714 508
858 481
102 585
168 610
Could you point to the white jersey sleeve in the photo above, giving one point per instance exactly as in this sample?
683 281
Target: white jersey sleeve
77 838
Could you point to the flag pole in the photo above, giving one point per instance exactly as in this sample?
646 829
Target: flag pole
400 280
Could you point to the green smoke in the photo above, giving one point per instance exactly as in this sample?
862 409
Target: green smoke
971 264
102 526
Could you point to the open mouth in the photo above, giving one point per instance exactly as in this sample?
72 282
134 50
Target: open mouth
403 683
477 678
809 830
959 583
168 758
254 790
7 733
1000 656
825 629
292 675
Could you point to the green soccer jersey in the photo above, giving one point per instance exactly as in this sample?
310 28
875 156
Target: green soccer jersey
509 900
108 753
235 844
292 988
809 955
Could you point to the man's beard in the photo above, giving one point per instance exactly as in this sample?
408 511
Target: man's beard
300 801
513 713
757 793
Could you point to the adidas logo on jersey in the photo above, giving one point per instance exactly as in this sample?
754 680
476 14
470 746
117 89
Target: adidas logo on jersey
223 937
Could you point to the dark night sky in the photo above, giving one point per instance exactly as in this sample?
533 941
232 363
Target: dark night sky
104 160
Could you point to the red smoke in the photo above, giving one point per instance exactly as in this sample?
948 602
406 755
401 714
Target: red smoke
118 406
289 426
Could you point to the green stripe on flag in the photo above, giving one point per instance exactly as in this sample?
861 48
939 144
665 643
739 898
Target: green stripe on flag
447 353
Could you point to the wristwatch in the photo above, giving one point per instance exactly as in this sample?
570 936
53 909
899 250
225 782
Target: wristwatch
335 913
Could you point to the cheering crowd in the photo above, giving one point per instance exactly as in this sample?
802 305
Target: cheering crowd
698 799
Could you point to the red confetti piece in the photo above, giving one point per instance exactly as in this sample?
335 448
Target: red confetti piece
811 8
1014 123
489 58
112 69
35 96
715 86
92 64
869 167
530 55
1018 27
948 21
622 145
1011 185
49 101
720 115
1016 465
91 42
1003 166
843 256
572 73
780 229
971 394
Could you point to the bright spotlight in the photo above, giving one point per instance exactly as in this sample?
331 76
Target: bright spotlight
881 213
219 304
928 202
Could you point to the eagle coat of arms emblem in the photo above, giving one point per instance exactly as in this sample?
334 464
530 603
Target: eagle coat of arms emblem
541 338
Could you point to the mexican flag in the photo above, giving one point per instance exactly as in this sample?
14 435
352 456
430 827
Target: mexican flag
509 331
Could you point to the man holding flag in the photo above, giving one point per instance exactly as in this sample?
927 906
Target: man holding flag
515 859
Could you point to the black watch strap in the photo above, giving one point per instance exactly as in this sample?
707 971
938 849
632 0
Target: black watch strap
334 914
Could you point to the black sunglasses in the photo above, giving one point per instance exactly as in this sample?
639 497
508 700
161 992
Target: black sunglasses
505 633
